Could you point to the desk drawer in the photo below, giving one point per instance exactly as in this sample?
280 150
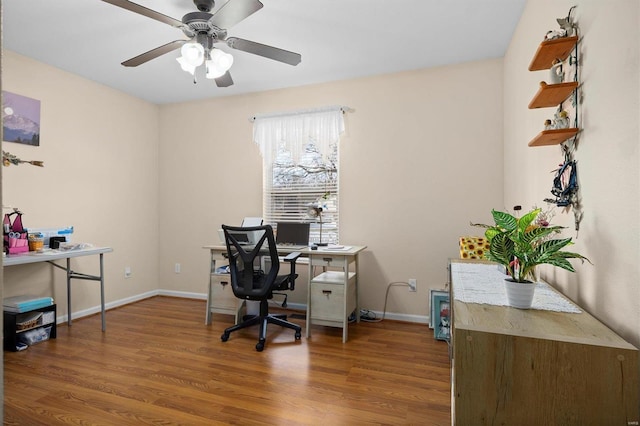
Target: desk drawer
222 296
328 260
328 302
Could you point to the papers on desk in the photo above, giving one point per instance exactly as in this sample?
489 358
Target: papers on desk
331 247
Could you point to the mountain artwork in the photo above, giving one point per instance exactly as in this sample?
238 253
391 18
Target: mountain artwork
20 119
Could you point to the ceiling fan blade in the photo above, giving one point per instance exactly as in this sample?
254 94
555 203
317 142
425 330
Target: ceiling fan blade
154 53
225 80
270 52
233 12
141 10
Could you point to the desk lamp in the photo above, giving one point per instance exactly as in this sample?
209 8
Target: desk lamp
314 210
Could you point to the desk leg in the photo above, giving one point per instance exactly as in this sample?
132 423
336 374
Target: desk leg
104 322
357 291
212 268
68 291
308 328
345 314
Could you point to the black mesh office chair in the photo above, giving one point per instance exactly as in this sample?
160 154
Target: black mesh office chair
250 282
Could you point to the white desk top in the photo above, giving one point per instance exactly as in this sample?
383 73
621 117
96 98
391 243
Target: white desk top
45 256
347 250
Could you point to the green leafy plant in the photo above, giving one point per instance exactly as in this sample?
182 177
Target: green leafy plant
520 244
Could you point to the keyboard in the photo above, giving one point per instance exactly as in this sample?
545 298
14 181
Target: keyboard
291 247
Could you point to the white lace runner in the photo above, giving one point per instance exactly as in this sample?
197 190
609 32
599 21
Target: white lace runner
481 283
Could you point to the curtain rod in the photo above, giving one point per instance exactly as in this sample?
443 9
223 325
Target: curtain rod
342 108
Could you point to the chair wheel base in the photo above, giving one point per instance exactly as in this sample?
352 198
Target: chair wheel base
260 346
298 335
224 337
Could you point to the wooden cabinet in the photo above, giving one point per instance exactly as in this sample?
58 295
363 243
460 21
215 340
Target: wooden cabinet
533 367
17 324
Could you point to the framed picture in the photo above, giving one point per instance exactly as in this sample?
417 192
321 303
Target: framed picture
21 119
440 318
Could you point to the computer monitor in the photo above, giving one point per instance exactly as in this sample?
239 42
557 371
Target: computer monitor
292 233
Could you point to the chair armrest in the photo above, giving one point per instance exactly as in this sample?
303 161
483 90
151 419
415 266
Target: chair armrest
292 257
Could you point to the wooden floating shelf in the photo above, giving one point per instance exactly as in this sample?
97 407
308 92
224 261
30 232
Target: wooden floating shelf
553 137
550 50
551 95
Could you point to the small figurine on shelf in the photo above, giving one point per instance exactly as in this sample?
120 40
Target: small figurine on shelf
554 34
567 23
548 125
556 73
561 120
567 27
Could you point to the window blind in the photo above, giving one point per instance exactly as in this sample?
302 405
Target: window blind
301 169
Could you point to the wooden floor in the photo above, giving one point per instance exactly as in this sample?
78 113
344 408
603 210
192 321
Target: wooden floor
158 363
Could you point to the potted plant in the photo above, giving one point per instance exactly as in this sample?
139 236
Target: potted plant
520 244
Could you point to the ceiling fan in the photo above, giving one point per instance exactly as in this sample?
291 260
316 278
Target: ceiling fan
205 29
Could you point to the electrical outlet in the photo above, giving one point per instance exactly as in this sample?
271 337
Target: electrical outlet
177 269
412 284
127 272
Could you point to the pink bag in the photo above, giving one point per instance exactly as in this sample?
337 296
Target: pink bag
15 236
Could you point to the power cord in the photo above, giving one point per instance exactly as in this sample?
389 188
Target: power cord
370 316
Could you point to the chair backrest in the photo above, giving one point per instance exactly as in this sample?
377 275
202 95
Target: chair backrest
248 279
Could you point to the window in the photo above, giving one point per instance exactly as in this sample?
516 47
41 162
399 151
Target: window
301 170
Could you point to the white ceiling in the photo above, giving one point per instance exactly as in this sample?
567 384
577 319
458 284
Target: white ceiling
338 39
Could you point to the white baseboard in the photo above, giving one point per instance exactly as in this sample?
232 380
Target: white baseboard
420 319
110 305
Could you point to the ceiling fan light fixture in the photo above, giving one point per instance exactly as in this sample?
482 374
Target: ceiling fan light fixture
213 71
221 59
193 53
186 66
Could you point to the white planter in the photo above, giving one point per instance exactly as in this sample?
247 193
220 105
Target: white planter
519 295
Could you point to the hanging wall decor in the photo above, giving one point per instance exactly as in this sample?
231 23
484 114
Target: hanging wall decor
558 53
20 119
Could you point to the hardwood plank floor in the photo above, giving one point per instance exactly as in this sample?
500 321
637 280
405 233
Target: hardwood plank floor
158 363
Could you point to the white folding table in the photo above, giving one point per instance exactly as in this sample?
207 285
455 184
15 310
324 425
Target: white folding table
51 255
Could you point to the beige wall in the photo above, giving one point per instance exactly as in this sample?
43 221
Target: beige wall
608 158
156 182
420 158
100 149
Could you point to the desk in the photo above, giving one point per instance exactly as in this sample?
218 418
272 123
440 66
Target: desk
332 295
220 297
51 255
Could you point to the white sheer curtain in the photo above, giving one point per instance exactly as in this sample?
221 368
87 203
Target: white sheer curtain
300 167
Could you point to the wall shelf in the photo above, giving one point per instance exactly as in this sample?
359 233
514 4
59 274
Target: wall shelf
553 137
550 50
550 95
